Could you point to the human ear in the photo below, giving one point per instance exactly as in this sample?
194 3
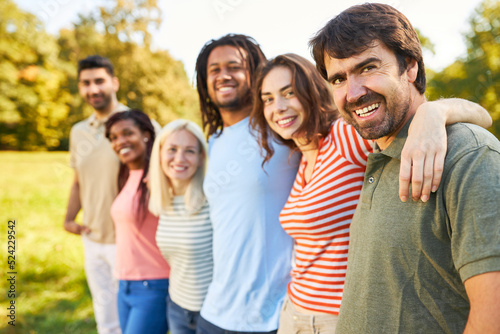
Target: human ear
412 70
116 84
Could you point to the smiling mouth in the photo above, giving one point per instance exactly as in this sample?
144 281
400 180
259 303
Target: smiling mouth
179 168
367 111
125 150
286 121
225 89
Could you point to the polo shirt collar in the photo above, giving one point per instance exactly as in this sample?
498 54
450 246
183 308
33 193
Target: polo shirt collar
97 123
395 148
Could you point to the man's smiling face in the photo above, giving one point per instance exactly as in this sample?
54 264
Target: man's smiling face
370 92
228 80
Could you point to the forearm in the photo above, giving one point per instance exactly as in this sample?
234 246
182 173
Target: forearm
459 110
74 206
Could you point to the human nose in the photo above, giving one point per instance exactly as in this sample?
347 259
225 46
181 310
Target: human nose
179 155
119 140
280 104
93 88
355 89
224 74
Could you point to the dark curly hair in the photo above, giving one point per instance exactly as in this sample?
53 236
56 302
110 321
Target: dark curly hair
210 115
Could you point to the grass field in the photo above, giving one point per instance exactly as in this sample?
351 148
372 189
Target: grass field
51 291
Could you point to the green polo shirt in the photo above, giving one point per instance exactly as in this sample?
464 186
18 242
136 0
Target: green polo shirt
408 261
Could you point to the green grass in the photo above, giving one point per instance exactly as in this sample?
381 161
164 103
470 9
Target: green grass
51 291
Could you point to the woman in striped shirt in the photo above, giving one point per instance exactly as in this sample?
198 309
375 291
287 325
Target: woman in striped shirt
293 105
184 234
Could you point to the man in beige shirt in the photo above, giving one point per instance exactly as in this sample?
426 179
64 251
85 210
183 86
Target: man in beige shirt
95 187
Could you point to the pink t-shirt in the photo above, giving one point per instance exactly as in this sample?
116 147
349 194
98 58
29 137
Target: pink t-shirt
137 255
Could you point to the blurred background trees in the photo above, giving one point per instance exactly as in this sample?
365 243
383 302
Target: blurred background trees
39 100
476 77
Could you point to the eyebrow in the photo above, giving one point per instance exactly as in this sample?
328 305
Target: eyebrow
229 63
180 145
282 89
355 67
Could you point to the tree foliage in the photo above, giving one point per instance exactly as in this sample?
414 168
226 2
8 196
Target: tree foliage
33 108
476 77
40 102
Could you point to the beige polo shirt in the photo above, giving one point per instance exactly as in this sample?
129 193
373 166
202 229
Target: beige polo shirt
97 166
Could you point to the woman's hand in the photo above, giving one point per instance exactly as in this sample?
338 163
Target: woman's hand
422 158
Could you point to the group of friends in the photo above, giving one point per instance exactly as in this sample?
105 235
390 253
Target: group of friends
295 217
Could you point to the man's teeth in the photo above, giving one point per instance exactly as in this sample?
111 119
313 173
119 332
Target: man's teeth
367 111
124 150
286 120
224 89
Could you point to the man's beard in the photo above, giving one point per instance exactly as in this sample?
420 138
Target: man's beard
102 106
394 115
239 102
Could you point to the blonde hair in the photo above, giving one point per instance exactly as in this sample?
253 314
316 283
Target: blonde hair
161 193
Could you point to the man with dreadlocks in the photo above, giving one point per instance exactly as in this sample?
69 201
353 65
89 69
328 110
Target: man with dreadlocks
252 253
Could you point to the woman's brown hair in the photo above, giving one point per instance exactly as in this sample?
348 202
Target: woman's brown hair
313 94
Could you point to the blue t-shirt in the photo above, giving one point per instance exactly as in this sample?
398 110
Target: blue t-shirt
252 253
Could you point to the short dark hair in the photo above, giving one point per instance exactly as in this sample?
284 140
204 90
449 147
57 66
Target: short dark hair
142 121
210 114
358 27
96 61
313 93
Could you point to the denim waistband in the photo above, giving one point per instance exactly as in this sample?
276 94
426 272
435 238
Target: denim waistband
155 284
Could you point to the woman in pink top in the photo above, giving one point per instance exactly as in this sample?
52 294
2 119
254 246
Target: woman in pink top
294 106
140 268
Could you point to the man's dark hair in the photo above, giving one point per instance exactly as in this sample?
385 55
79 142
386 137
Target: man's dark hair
254 56
95 61
358 27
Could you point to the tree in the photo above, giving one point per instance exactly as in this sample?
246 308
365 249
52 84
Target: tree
149 80
32 107
477 76
39 100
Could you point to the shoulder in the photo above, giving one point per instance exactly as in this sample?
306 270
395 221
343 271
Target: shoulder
472 151
352 146
80 126
465 137
346 133
121 107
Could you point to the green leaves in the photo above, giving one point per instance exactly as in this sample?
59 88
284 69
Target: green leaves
477 76
39 100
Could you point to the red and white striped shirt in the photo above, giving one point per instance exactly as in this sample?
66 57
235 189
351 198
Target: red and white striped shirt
318 214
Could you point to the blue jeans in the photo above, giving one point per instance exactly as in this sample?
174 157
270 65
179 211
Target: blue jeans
142 306
205 327
180 320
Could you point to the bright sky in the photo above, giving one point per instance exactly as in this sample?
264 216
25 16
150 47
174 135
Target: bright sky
279 26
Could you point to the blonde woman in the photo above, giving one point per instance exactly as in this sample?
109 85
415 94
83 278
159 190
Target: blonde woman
184 234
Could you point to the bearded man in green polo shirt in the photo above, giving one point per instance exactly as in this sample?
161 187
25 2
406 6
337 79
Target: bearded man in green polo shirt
426 266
